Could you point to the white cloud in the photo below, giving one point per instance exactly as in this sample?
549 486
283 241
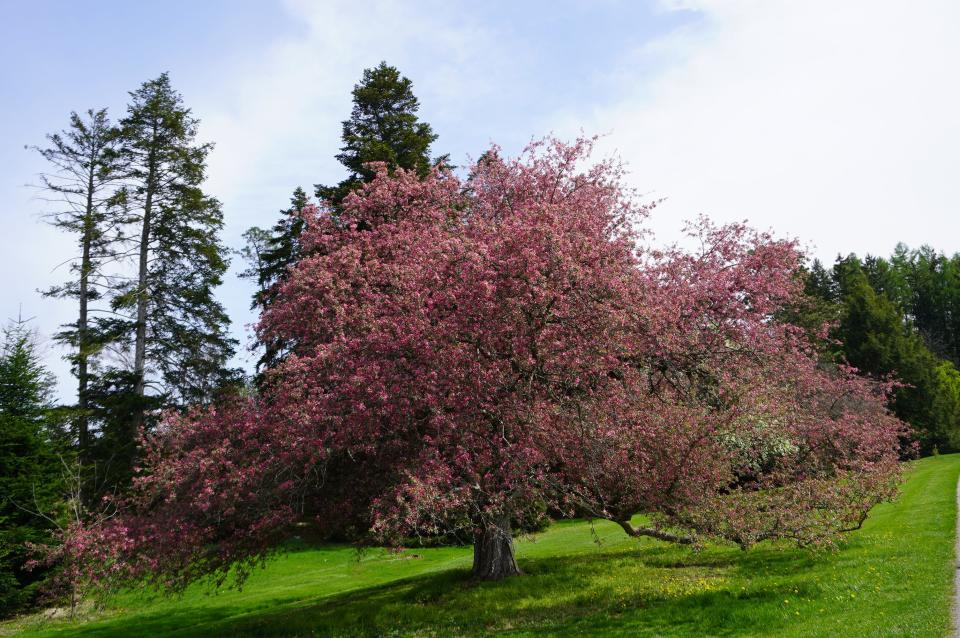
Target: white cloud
836 122
277 120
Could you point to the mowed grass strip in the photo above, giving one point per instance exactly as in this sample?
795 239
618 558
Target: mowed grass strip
892 578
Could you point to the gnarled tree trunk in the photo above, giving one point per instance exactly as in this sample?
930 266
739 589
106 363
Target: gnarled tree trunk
493 557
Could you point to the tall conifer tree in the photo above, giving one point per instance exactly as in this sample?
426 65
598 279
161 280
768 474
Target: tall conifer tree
269 253
383 127
179 330
85 169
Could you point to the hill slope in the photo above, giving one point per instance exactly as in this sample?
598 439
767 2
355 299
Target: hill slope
892 578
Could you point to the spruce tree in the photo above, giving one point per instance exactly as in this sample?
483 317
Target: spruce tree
177 329
29 464
383 127
269 254
85 170
932 297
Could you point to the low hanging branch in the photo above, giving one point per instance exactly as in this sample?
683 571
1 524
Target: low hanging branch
661 535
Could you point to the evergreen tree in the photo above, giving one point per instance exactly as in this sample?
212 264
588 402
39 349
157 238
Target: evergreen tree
383 127
880 341
872 329
951 282
256 243
269 254
179 330
85 170
932 297
817 308
29 465
886 280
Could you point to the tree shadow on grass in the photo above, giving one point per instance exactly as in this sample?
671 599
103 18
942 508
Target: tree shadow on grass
638 591
554 600
644 588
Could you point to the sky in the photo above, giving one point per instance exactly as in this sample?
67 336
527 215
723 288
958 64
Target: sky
837 123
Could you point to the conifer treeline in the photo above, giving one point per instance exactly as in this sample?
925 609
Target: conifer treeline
900 316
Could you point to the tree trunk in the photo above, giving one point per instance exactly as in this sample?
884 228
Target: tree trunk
83 347
140 342
493 557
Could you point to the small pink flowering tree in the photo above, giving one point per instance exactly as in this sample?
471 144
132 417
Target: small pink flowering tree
463 349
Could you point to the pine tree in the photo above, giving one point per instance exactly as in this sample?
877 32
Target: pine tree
85 171
874 335
816 309
179 330
29 466
891 317
383 127
932 284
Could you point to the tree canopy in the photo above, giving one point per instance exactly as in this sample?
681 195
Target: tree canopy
464 350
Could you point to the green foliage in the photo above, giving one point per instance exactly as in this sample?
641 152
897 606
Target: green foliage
279 249
876 306
29 464
933 297
383 127
945 407
85 168
175 318
149 331
269 255
874 335
113 401
925 286
894 577
817 309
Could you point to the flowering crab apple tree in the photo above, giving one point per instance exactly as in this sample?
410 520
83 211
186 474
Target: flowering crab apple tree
464 349
726 424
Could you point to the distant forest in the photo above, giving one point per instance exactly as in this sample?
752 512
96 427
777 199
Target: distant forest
899 317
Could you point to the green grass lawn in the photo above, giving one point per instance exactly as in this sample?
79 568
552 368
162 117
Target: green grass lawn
892 578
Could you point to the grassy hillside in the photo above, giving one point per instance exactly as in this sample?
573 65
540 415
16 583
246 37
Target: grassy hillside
893 578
